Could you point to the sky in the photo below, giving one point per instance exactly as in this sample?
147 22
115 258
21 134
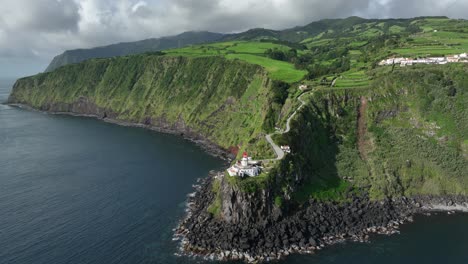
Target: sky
32 32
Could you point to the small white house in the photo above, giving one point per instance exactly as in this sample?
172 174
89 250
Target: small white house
286 149
452 59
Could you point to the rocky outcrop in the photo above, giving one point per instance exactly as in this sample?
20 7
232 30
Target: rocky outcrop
451 203
243 207
242 232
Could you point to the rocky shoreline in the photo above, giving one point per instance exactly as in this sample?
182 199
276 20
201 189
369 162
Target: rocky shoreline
272 235
310 228
208 146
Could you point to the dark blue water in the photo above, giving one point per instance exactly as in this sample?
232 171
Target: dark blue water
77 190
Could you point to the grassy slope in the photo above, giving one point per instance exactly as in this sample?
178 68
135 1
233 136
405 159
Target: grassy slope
226 101
402 153
439 37
417 129
416 133
420 150
401 158
252 52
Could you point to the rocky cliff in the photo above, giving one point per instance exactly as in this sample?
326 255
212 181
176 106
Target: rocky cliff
266 236
222 101
364 161
357 153
240 207
404 136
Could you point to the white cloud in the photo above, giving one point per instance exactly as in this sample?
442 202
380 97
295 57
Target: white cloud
138 5
39 29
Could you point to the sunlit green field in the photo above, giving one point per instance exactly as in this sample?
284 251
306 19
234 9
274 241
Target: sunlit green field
440 37
279 70
252 52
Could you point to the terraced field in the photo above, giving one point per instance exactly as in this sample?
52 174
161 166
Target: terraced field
439 37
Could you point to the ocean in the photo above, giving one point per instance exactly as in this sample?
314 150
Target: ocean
79 190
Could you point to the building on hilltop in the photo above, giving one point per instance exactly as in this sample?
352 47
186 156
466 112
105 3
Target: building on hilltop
453 59
245 167
431 60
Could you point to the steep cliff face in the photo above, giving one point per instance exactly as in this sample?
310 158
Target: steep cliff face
223 101
128 48
404 136
238 206
363 161
272 236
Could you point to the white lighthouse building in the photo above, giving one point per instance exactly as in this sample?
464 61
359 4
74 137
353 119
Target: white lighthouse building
245 167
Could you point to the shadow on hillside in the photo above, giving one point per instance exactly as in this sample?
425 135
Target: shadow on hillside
316 149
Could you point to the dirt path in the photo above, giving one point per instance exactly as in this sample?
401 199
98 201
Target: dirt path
279 152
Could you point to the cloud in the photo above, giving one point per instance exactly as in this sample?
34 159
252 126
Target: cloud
37 30
42 15
413 8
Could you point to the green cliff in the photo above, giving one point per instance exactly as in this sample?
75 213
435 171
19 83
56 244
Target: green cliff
404 135
385 130
223 101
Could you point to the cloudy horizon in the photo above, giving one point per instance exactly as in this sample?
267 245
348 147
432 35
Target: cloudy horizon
32 32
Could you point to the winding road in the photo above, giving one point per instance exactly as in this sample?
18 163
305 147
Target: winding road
279 152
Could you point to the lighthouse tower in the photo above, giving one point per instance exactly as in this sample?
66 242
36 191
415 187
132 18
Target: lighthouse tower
245 160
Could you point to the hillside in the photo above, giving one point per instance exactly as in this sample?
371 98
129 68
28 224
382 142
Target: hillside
223 101
353 132
406 135
370 143
248 51
128 48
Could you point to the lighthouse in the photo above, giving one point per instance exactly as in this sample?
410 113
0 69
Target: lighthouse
245 159
245 167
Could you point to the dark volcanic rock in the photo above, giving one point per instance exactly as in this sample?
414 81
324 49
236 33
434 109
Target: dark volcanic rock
252 227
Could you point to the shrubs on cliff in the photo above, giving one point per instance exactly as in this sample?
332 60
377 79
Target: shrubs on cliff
224 101
215 206
279 94
418 149
412 142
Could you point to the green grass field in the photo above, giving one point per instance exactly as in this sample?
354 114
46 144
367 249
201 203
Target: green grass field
255 47
349 83
222 48
279 70
252 52
434 41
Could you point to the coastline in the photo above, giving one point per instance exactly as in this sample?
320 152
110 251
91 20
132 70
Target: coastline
323 224
205 144
401 211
